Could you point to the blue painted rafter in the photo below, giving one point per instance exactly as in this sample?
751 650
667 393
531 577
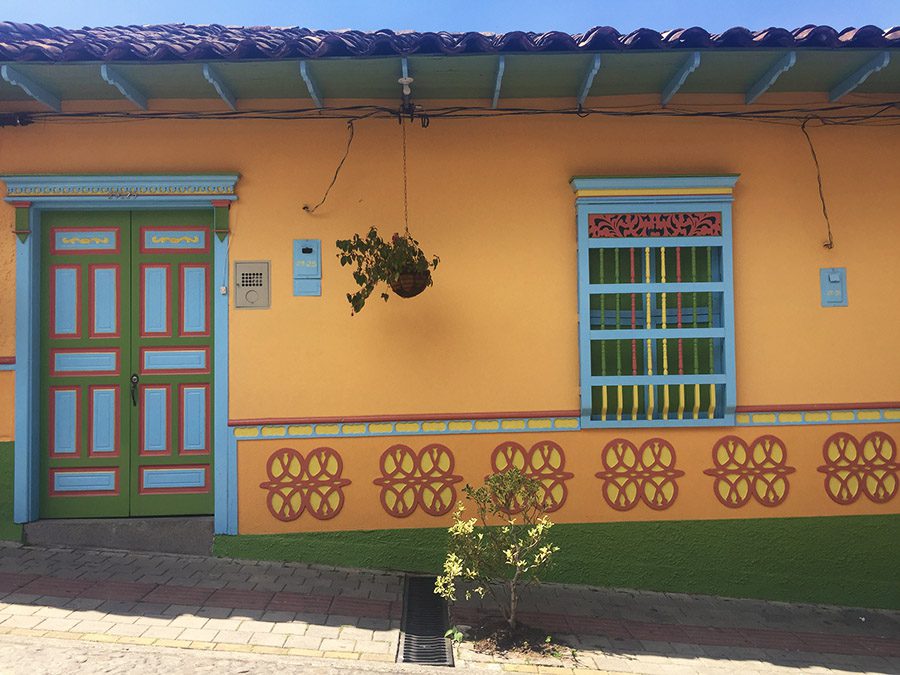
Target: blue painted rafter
221 88
761 86
30 87
311 87
501 67
691 63
858 77
112 76
588 81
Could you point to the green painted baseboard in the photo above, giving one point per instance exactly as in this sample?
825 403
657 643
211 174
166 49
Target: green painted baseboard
8 529
851 560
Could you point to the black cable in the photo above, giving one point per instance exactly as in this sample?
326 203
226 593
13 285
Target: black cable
829 243
311 210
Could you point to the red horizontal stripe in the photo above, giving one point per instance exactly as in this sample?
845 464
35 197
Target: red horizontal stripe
7 360
264 421
815 406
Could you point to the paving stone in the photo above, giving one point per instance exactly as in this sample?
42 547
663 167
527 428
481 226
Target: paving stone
127 630
233 636
268 639
337 645
374 647
315 630
57 624
22 621
198 634
188 621
254 626
291 628
164 632
92 626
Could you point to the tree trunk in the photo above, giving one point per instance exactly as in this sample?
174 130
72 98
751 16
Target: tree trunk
513 605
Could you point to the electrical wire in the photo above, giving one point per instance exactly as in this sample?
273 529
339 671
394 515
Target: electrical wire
829 242
312 209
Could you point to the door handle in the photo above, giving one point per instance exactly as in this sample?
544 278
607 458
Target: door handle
134 383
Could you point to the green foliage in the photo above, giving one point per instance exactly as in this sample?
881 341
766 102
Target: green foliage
501 561
455 634
379 261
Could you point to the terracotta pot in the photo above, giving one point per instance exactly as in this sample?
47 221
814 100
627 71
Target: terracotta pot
410 284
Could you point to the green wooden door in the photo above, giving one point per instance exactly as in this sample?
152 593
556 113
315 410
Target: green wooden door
126 363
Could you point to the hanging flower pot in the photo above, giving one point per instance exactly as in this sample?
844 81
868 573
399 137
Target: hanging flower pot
410 283
399 263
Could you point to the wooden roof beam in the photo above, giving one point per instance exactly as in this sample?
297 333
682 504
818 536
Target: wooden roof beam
30 87
211 76
851 82
498 81
113 77
311 87
761 86
588 81
691 63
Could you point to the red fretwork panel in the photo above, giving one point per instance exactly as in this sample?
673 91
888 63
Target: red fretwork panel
866 467
312 483
759 471
409 480
544 462
605 225
647 475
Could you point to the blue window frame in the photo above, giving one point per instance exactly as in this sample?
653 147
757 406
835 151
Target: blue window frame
655 298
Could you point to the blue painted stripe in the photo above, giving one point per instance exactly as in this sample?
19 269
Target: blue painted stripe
156 412
652 242
223 440
66 240
90 362
193 304
187 240
156 479
156 288
105 300
84 481
180 359
103 420
7 366
193 422
65 416
65 302
651 182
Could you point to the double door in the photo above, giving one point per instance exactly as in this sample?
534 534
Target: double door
126 363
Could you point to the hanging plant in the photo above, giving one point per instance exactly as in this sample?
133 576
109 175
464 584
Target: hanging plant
400 263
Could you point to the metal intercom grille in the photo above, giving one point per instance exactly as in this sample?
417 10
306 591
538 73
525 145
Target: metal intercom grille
252 279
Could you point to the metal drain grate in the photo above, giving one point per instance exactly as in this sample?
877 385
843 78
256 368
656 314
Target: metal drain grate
424 625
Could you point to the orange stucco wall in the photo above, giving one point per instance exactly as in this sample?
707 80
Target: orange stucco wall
498 331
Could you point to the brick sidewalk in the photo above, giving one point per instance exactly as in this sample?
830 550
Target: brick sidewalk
312 611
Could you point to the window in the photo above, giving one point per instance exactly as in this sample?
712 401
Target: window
656 324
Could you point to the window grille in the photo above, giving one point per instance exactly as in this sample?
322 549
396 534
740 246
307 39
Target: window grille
655 301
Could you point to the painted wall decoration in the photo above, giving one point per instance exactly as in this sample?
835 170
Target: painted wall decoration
603 225
647 475
297 484
758 471
409 480
545 462
855 467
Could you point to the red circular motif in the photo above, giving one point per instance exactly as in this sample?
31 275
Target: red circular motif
409 480
631 475
742 472
544 462
297 484
852 468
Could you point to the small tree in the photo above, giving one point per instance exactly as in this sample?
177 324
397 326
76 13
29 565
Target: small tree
501 560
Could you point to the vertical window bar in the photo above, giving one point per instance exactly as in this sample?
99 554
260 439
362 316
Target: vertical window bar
696 341
634 387
649 323
618 342
710 341
680 340
665 341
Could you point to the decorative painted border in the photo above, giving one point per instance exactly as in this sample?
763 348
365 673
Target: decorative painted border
492 423
7 363
249 429
220 186
837 414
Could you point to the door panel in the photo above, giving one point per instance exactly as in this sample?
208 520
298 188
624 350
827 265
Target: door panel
171 355
84 471
126 294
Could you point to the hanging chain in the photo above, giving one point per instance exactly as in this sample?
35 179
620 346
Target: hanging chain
405 196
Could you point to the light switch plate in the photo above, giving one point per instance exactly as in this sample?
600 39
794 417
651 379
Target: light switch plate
833 281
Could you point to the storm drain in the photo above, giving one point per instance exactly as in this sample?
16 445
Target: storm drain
424 625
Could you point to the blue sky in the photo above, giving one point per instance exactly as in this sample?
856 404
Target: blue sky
461 15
